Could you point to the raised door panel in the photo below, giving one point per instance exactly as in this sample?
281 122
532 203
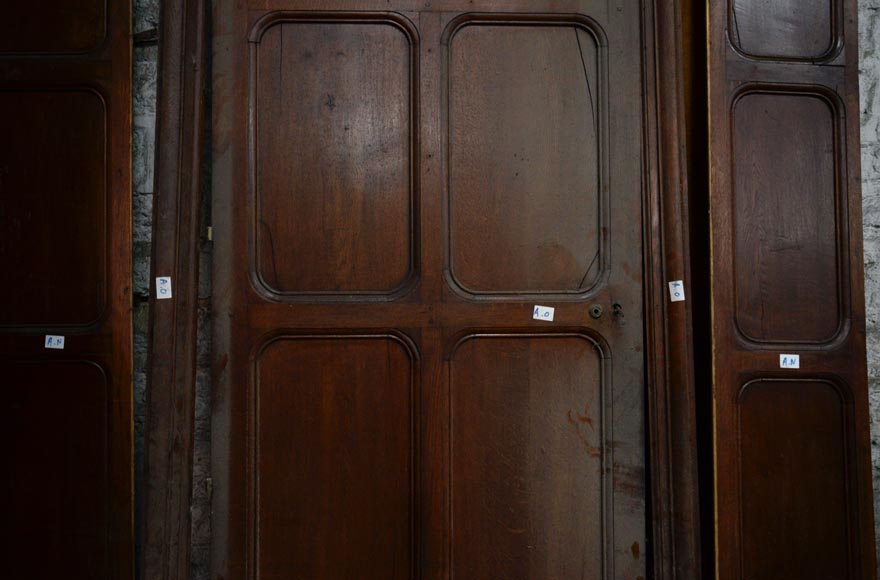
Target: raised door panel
53 219
334 172
787 218
526 179
54 434
334 439
528 444
794 435
785 29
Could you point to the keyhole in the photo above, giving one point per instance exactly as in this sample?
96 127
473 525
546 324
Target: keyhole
596 310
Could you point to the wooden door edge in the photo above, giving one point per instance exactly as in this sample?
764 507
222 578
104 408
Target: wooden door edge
671 425
169 422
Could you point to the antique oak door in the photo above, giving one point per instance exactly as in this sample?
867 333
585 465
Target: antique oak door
398 186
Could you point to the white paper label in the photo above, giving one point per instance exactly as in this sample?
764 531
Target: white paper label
789 361
53 341
676 291
163 287
544 313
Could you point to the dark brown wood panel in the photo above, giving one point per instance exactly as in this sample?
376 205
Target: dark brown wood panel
54 180
53 26
793 489
785 29
815 418
336 217
527 441
511 151
61 506
65 252
785 201
464 86
334 436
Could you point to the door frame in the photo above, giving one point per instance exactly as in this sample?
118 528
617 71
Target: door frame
670 387
164 528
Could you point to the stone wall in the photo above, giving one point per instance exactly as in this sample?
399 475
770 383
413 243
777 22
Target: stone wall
869 76
144 108
146 17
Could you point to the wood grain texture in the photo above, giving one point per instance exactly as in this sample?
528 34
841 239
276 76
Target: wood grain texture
65 421
169 421
785 206
304 401
529 427
54 27
334 449
815 417
337 217
65 202
61 276
512 151
671 344
785 29
787 279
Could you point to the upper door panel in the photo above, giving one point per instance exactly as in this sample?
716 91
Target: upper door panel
526 113
334 168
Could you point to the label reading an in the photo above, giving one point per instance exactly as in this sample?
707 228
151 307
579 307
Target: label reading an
676 291
789 361
544 313
53 341
163 287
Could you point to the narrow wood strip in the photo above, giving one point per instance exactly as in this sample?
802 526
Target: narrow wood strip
671 427
171 383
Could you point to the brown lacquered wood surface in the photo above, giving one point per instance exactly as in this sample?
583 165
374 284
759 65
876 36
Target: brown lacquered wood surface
56 27
340 96
60 267
65 252
671 344
785 215
793 478
334 452
385 405
814 414
55 437
508 393
502 173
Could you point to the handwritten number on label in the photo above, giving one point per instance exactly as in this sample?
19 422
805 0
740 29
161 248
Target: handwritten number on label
676 291
544 313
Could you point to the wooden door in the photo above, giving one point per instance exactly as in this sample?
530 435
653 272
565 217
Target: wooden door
402 189
792 427
65 255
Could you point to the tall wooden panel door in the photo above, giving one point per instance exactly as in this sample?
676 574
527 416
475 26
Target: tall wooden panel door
65 323
792 426
428 290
